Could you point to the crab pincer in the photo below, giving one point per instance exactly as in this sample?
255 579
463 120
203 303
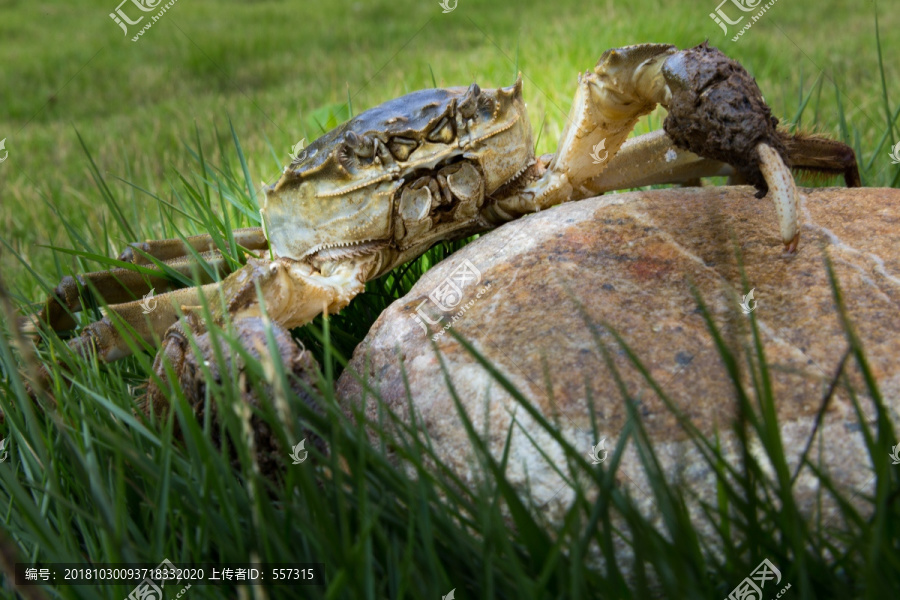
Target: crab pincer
717 111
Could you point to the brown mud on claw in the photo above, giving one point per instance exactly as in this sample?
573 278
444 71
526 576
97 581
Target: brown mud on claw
718 111
193 373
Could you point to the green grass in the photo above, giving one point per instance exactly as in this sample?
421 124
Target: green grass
178 130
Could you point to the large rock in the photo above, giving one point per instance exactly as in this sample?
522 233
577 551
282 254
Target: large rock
630 260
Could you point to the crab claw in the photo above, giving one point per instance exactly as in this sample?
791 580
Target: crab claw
784 193
717 111
196 372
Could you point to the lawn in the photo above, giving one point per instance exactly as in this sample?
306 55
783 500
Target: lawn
110 140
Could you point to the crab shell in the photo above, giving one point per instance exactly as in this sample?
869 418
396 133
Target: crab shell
400 177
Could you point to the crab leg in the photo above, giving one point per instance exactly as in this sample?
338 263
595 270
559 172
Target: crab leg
114 286
626 84
122 285
251 238
715 111
105 335
294 294
654 159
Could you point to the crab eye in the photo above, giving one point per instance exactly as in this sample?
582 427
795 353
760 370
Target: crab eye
401 147
304 155
442 133
363 146
469 104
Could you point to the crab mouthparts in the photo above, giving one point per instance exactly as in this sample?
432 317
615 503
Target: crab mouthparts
344 250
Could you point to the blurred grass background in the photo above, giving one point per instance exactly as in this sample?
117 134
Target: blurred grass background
269 65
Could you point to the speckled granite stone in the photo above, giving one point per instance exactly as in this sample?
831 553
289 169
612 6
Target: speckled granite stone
630 260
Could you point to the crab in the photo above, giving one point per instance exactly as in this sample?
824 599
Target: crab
444 164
